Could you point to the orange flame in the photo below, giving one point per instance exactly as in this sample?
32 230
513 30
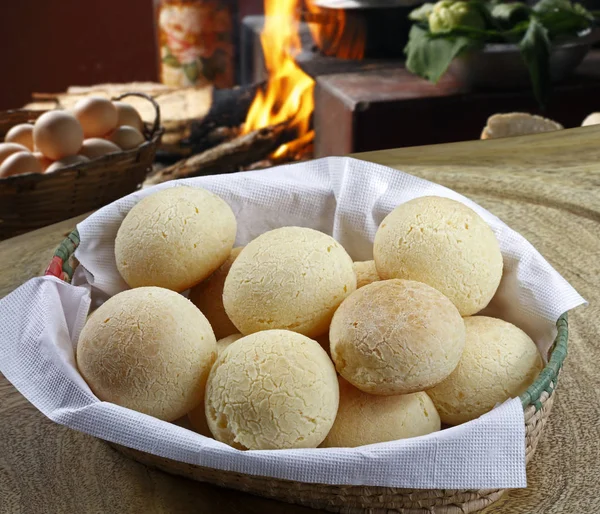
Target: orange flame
289 93
289 150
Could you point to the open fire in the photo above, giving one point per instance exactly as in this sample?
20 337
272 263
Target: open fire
277 125
288 97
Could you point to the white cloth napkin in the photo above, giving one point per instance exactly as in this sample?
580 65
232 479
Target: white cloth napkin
40 323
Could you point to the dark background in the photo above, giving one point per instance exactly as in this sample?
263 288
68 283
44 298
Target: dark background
48 45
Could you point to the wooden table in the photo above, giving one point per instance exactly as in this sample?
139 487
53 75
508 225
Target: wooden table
547 187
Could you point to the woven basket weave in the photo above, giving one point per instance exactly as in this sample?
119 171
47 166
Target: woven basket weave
537 403
35 200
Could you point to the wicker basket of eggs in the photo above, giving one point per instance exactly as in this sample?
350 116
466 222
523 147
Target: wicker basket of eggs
57 164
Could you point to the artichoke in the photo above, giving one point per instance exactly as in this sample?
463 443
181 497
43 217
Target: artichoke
421 13
447 15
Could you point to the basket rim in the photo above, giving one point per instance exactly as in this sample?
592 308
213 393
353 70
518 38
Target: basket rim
61 268
31 112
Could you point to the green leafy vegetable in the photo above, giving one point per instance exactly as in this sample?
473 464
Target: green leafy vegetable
429 56
508 14
515 34
562 18
443 30
580 9
421 13
535 50
544 6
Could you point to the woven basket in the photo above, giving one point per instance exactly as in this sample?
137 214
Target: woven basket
537 403
34 200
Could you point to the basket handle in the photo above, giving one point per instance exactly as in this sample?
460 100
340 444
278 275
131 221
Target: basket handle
156 124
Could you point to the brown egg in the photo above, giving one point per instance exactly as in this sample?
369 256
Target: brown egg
19 163
127 138
97 115
97 147
67 161
7 149
21 134
128 115
43 160
57 134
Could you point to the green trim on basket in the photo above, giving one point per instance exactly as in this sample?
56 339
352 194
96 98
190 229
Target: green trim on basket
66 250
546 381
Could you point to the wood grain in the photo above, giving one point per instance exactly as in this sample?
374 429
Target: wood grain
547 187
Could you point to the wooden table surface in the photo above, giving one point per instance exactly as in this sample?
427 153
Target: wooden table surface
547 187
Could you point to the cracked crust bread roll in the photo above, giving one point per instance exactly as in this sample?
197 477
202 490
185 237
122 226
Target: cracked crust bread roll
226 341
499 362
366 273
174 238
197 416
517 124
396 337
272 390
290 278
148 349
444 244
208 297
367 419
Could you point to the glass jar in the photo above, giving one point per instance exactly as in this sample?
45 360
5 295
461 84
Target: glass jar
195 42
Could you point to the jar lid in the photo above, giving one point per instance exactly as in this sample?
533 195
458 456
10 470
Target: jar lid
365 4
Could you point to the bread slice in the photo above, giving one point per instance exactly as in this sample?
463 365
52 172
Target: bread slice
592 119
517 124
